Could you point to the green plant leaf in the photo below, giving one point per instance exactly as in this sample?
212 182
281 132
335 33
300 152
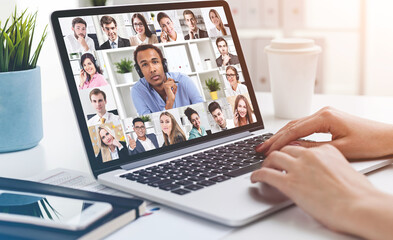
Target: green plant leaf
3 49
16 42
145 118
37 52
124 66
212 84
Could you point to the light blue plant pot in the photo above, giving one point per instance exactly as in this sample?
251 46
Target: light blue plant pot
20 110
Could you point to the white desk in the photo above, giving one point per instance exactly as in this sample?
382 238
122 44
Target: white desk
62 147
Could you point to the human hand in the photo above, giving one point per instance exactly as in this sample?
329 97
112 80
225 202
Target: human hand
82 42
320 181
117 143
191 34
83 77
236 118
170 90
225 59
131 142
164 37
355 137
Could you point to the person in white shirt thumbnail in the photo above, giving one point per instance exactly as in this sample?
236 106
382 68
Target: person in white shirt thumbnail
236 87
79 42
221 122
98 101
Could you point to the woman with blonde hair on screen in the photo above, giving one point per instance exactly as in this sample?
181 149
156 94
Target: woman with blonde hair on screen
111 148
143 33
171 130
219 29
242 111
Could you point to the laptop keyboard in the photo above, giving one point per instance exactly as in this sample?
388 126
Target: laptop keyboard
204 169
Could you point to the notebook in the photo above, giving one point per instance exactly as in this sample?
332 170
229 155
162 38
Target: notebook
166 106
124 211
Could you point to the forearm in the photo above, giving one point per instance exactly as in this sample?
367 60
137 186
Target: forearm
369 140
372 217
389 140
169 103
169 106
382 139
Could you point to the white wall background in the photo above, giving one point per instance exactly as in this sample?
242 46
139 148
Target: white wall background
342 45
53 83
379 54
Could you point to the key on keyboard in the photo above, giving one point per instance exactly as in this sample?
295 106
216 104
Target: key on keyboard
191 173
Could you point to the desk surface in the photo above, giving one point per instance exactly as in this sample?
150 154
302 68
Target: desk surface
62 147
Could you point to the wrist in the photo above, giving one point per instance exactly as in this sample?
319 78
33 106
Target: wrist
169 105
368 215
390 140
383 140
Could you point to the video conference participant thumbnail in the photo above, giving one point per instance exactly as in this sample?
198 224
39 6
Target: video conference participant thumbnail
157 89
194 32
194 118
171 130
236 87
110 147
98 101
143 33
221 122
169 33
220 29
90 74
109 26
79 41
144 142
242 112
226 58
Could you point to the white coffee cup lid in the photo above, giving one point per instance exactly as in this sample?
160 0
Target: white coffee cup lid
293 46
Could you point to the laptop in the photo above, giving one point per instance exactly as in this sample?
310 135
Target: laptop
166 107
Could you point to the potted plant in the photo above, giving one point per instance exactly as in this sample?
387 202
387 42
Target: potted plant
98 2
125 68
146 120
152 15
89 3
74 56
213 85
20 85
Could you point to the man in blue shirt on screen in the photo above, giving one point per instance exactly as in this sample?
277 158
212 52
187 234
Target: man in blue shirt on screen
157 89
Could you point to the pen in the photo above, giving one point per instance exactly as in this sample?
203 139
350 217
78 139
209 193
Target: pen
167 76
151 211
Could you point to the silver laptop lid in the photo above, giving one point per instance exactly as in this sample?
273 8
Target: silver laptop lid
153 80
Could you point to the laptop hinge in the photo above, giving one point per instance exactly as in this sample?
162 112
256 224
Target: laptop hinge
185 150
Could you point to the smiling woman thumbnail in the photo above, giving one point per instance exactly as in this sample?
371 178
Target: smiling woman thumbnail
171 130
90 74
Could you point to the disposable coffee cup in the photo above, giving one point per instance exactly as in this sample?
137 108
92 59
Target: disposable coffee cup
292 66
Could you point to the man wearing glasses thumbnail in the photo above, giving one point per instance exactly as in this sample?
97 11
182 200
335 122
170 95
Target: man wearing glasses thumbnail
144 142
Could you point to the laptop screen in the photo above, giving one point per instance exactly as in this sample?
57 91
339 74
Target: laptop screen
154 78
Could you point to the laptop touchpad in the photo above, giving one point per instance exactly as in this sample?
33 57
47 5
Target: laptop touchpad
265 193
